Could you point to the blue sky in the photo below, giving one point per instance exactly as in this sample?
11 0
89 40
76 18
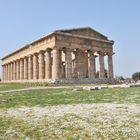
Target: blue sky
22 21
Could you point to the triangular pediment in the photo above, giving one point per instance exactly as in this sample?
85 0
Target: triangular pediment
87 31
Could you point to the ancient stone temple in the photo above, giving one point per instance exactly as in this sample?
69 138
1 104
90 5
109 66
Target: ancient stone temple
63 55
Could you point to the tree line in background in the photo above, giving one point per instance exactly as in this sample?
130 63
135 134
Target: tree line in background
136 76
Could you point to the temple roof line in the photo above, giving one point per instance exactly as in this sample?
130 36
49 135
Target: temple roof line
80 28
85 37
63 32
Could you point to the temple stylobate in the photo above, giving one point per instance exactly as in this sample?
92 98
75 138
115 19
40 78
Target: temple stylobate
63 55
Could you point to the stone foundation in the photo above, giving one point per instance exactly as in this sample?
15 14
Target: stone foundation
70 81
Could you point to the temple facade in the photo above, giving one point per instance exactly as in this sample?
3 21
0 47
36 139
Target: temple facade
63 55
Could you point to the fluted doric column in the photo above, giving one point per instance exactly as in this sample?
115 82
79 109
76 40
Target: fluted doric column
2 72
102 69
18 70
79 60
110 66
92 66
48 64
35 66
68 63
86 65
25 68
21 69
14 70
75 66
56 66
3 75
41 65
11 71
7 72
30 67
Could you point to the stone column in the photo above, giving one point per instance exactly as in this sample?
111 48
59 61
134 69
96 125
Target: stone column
48 64
21 69
80 63
18 70
30 67
3 76
14 70
75 71
25 68
11 71
2 72
86 64
101 61
7 72
91 66
35 66
41 65
110 66
56 66
68 63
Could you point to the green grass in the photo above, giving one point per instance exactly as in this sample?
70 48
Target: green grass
67 96
12 86
70 126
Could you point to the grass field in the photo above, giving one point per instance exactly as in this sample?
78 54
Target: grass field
70 115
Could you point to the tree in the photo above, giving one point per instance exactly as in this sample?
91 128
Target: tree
136 76
120 78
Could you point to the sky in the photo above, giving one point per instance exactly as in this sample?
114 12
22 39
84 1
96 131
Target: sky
22 21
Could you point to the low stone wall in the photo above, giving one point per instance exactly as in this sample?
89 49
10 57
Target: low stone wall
86 81
69 81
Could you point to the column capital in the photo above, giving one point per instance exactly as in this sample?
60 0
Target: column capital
30 55
101 53
25 57
48 49
67 50
41 51
110 53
